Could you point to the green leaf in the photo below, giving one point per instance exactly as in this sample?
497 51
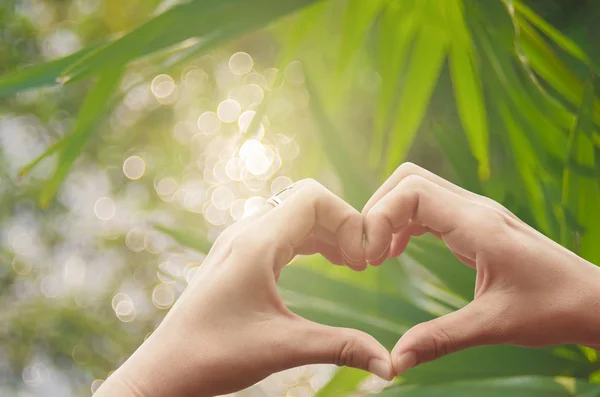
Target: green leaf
456 149
592 392
90 114
335 302
358 17
48 152
563 41
494 362
435 257
213 20
513 387
39 75
528 165
421 77
344 382
190 239
467 90
348 166
581 195
504 79
547 64
398 27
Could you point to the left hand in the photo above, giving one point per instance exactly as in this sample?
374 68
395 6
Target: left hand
230 328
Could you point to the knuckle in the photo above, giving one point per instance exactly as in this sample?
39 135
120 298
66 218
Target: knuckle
347 353
313 190
406 169
438 343
413 182
310 183
492 220
497 206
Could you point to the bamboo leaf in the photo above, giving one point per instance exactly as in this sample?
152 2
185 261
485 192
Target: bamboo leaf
423 71
39 75
471 105
467 89
456 149
495 362
527 164
398 27
547 64
358 19
344 382
582 195
504 79
90 114
563 41
348 167
514 387
213 20
48 152
435 257
390 310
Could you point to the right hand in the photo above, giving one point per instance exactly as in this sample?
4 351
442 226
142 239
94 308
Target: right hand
530 291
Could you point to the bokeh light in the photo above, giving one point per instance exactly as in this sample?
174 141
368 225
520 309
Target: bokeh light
229 110
162 86
209 123
134 167
163 296
104 208
240 63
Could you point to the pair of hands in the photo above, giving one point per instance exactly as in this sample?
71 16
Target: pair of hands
230 328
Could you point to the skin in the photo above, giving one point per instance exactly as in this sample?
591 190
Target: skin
230 328
530 291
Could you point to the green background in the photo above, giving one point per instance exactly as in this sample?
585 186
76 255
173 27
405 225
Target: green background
499 96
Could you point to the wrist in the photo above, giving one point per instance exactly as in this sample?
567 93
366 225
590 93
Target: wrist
590 308
577 299
164 365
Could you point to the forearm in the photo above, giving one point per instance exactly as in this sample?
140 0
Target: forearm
160 369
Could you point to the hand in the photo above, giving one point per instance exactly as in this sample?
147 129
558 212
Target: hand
230 328
529 291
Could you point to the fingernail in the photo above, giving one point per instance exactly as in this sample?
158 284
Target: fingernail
380 368
404 362
383 254
348 259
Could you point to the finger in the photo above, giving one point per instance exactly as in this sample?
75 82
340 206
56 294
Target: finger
462 329
461 223
400 241
312 209
323 344
314 245
407 169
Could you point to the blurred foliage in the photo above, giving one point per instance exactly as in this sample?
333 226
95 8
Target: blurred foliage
133 132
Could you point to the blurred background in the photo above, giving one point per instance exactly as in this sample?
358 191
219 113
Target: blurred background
133 132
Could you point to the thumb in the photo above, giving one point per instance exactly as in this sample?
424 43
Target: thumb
322 344
464 328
